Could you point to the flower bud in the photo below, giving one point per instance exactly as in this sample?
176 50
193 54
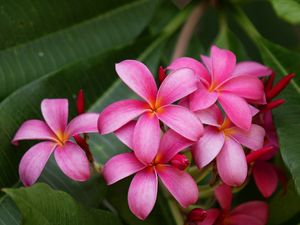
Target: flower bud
196 215
180 161
80 102
161 74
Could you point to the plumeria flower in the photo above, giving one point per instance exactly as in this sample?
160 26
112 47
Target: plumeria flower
231 84
249 213
157 105
56 134
223 141
266 175
143 188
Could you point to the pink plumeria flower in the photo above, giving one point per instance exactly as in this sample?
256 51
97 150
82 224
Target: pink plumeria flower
56 134
157 106
266 175
143 188
223 141
249 213
231 84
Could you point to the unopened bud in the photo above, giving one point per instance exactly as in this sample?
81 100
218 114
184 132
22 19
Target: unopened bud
279 86
161 74
80 102
254 155
196 215
180 161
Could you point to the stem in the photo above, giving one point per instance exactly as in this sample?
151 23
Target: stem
187 30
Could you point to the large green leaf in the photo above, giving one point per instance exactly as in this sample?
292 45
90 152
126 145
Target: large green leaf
283 206
288 10
52 51
40 204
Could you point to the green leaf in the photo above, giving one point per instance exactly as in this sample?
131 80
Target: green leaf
288 10
54 50
227 39
283 206
40 204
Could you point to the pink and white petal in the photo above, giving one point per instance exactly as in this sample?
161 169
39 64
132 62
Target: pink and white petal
177 85
34 161
250 68
212 216
253 138
232 164
208 63
84 123
241 219
138 77
255 209
146 137
211 116
196 66
55 113
245 87
179 183
33 130
73 162
208 147
265 177
181 120
253 110
121 166
125 133
237 110
202 98
142 193
223 194
223 64
119 113
171 143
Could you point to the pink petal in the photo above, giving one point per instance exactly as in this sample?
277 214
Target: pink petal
84 123
177 85
212 216
253 110
208 63
202 98
179 183
125 133
211 116
223 64
118 114
181 120
231 163
245 87
265 177
34 161
72 160
208 146
250 68
253 138
171 143
223 194
121 166
33 130
55 113
146 137
143 192
138 77
196 66
236 109
255 209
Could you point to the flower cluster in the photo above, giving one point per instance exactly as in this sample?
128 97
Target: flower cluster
218 109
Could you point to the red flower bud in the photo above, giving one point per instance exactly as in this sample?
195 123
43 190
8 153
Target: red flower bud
253 156
180 161
196 215
279 86
270 82
80 102
161 74
84 145
273 104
